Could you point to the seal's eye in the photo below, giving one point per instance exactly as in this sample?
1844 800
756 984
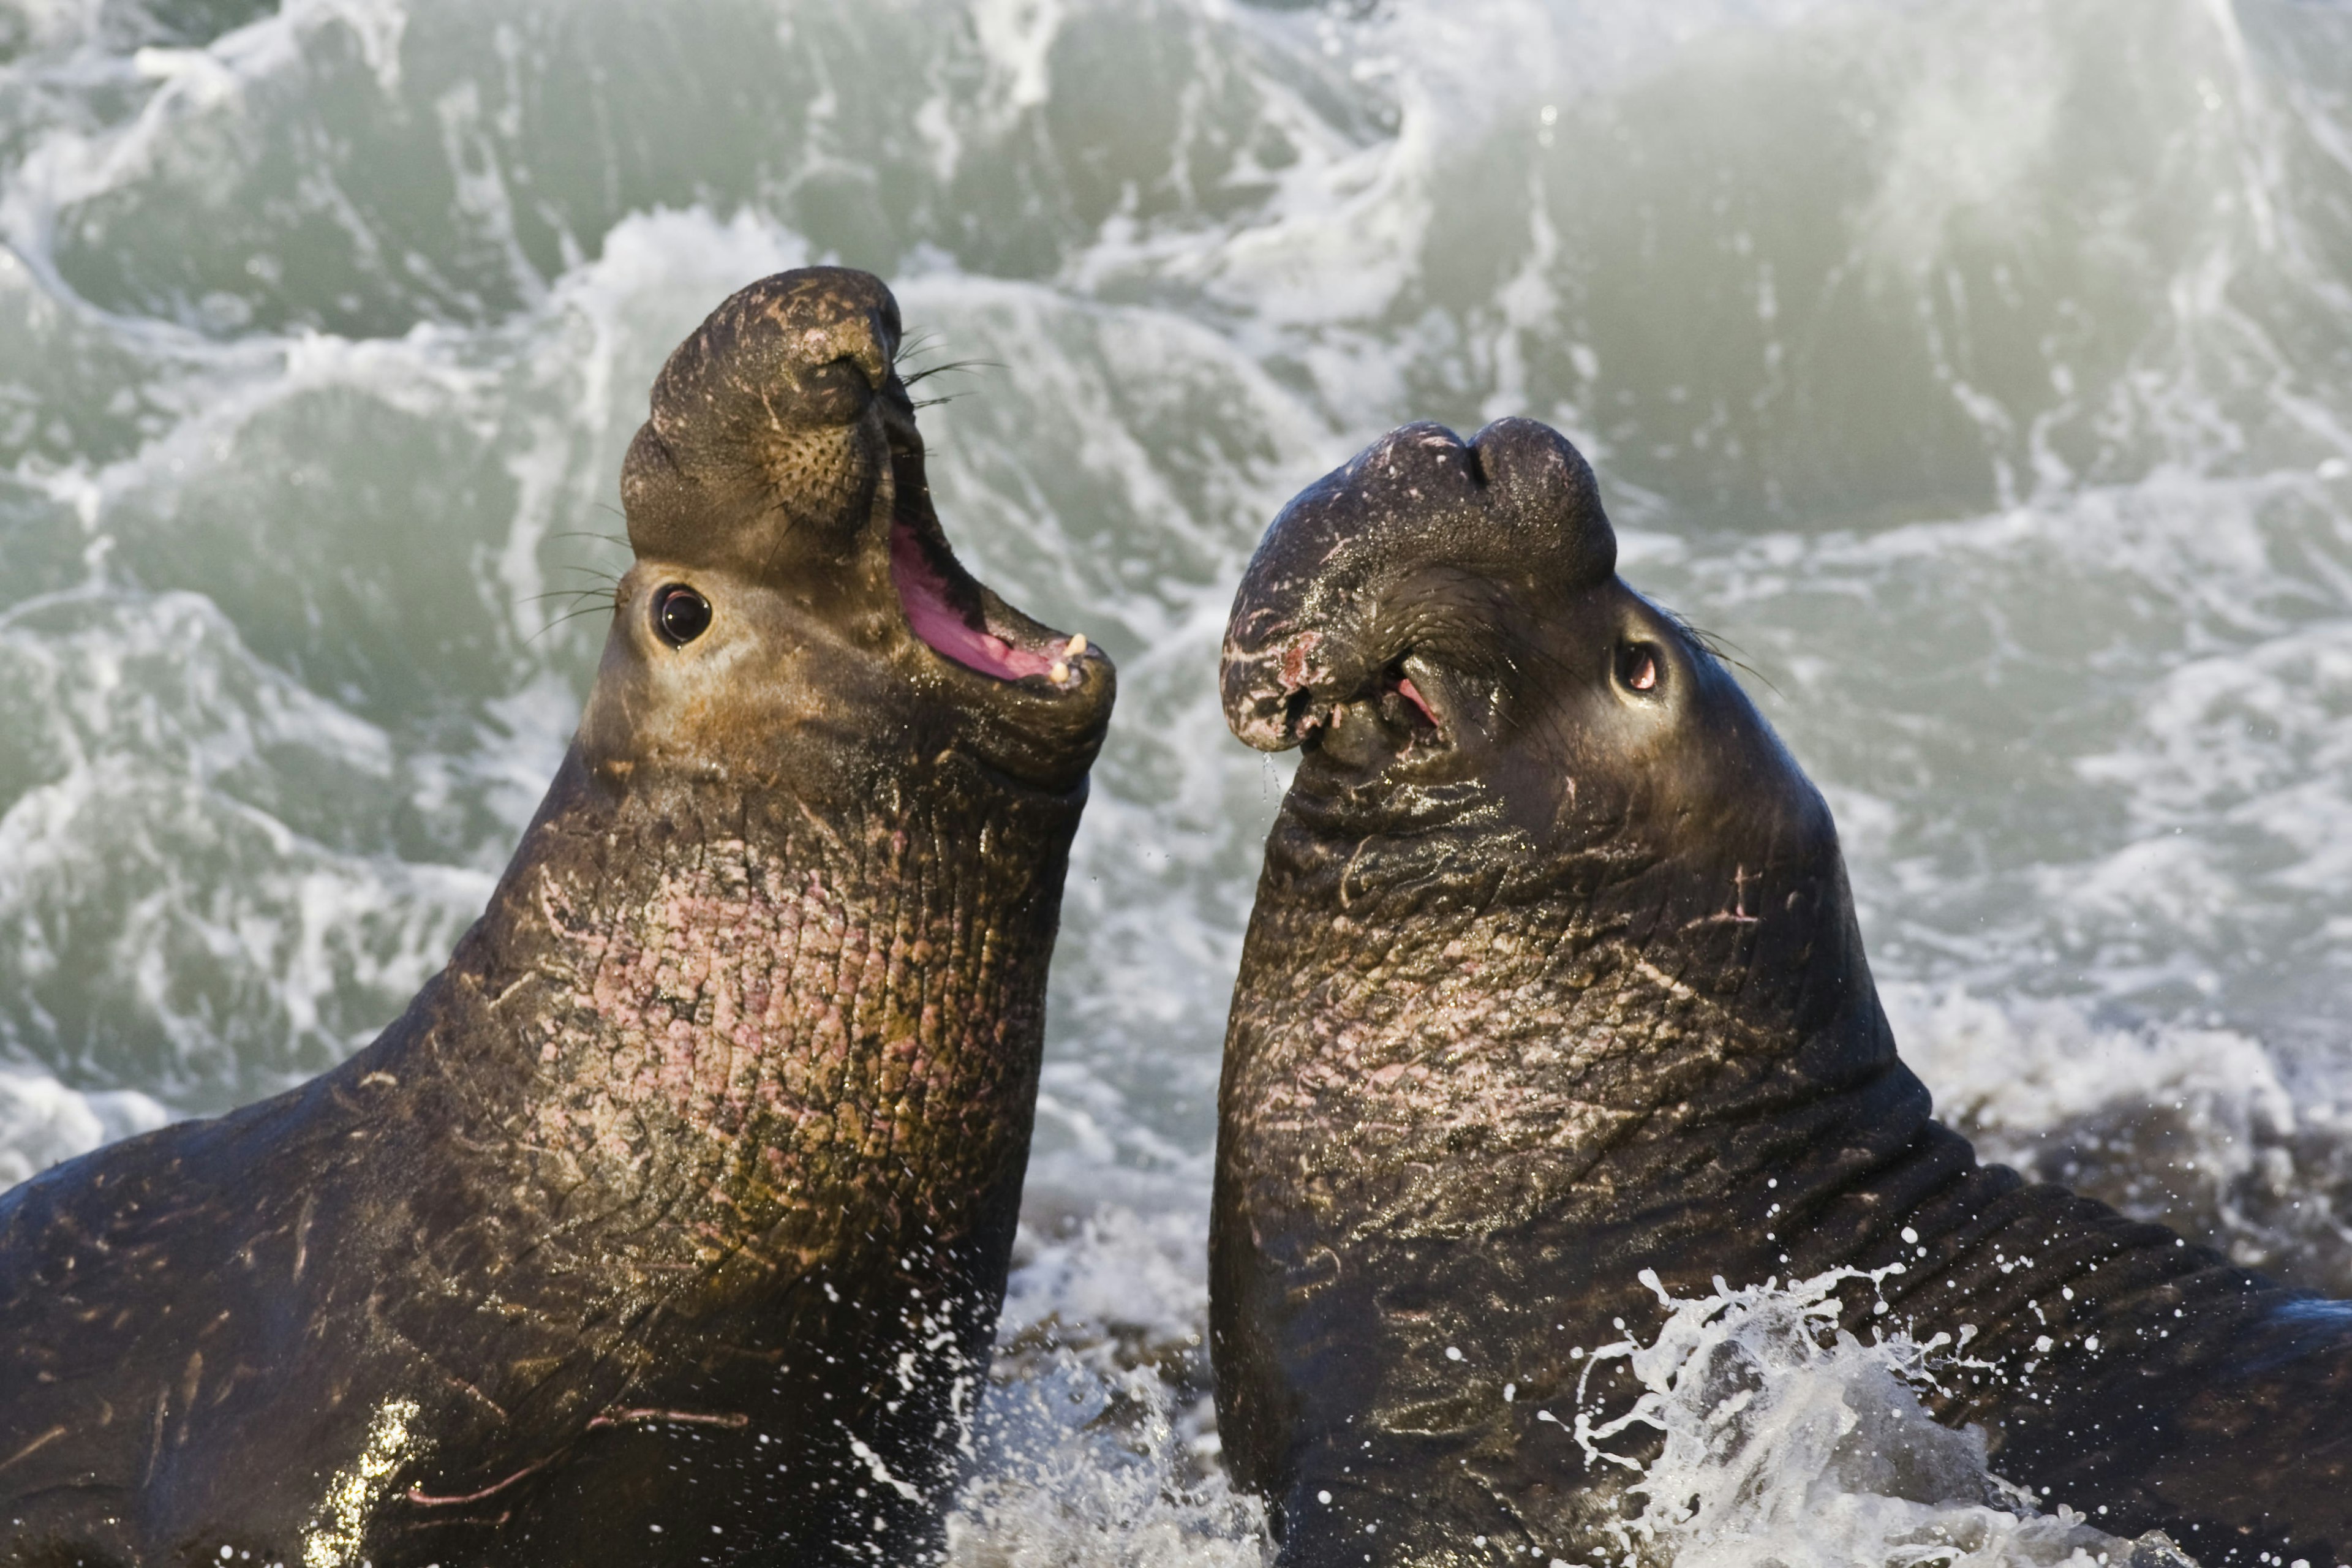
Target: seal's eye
1637 666
680 615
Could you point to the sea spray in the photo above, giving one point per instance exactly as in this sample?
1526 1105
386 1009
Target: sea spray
1764 1434
1087 1463
2182 1123
1096 1438
1786 1441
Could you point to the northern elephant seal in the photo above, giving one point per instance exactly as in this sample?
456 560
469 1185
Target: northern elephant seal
1554 978
668 1222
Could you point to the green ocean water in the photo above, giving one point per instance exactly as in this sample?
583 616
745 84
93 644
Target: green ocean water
1982 373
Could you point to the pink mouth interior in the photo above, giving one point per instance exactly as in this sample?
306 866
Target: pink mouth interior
925 595
1405 689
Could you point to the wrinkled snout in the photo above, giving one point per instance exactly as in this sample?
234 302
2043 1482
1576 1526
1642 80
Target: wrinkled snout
772 426
784 525
1517 504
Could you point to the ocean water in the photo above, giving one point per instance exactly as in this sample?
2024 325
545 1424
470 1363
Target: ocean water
1982 374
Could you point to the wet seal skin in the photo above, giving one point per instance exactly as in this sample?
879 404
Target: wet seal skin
1553 978
670 1222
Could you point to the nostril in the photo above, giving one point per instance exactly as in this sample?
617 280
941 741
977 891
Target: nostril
841 383
1298 716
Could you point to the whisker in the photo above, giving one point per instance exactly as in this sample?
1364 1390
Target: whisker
568 615
1769 684
929 371
565 593
1723 651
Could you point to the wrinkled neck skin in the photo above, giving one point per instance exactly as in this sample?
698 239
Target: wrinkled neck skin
752 1141
1466 989
774 1035
1475 1083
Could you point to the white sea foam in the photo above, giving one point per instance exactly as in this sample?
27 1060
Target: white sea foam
1095 1437
1785 1439
2202 1128
1083 1467
1775 1437
42 1121
2026 1068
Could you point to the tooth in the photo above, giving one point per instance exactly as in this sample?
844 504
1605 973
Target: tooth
1060 671
1077 648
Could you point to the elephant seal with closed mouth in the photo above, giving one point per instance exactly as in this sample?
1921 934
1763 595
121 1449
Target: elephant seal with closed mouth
670 1221
1553 979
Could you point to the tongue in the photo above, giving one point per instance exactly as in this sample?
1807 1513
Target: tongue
925 596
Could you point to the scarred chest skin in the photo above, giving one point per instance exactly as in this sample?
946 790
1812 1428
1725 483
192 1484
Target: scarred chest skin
1553 978
844 1009
670 1223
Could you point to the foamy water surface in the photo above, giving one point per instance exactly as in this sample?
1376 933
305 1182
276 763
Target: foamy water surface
1982 374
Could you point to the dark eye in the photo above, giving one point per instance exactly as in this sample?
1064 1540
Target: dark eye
680 615
1637 666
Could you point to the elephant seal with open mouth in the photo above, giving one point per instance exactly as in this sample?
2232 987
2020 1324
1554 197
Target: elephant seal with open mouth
1553 979
670 1222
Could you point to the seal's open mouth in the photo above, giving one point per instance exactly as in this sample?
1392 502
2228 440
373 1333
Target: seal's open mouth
955 614
963 631
1030 700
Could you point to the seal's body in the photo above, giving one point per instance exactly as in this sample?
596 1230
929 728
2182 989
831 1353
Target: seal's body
668 1222
1553 979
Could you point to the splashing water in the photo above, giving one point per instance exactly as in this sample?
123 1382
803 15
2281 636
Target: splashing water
1097 1435
1787 1440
